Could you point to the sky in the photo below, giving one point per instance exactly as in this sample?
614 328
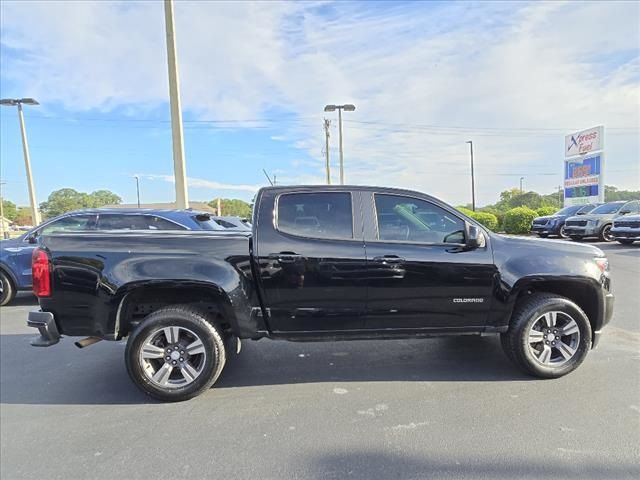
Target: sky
425 77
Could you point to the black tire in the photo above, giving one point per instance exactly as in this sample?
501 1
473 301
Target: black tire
562 233
189 319
576 238
7 289
543 235
515 341
625 241
605 234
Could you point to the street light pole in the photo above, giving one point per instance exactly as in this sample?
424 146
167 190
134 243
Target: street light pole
2 237
138 188
35 214
473 180
347 108
521 191
179 167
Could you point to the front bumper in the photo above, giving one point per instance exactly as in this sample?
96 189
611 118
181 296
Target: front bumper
625 233
545 229
46 325
582 231
608 314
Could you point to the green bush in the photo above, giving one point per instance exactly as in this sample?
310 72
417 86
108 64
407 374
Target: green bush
499 214
487 219
518 220
544 211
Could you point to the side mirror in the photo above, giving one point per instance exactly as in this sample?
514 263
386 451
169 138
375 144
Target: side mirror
474 237
33 238
624 212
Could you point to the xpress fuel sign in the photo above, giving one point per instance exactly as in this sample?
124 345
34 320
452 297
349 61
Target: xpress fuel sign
583 165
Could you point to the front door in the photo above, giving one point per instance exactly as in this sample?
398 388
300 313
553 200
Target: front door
419 273
311 261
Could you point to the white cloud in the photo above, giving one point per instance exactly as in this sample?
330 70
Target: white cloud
503 65
201 183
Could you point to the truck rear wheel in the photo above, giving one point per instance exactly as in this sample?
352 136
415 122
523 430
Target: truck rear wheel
548 337
175 354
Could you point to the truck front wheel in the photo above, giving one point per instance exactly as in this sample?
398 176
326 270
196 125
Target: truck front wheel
548 337
175 354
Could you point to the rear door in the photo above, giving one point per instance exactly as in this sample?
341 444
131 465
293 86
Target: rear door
419 273
311 260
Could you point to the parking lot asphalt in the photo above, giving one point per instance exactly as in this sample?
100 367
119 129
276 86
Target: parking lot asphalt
406 409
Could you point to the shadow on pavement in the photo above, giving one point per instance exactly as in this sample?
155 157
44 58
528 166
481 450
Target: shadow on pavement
63 374
383 464
24 299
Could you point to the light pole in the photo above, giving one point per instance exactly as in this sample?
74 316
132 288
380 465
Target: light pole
473 180
347 108
137 188
521 191
13 102
179 167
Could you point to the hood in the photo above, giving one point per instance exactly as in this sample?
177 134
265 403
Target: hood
601 217
553 246
11 243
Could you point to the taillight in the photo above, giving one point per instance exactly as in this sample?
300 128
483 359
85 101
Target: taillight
40 273
602 263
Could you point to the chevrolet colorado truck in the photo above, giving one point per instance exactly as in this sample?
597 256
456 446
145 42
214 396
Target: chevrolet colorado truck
320 264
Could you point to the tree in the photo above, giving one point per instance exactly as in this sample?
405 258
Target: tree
23 216
9 209
68 199
232 207
611 194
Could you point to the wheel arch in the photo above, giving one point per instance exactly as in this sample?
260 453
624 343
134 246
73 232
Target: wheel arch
584 292
139 300
9 274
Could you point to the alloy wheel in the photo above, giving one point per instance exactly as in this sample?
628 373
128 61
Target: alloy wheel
554 338
172 357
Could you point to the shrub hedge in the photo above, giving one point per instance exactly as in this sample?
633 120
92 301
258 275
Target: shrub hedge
518 220
487 219
544 211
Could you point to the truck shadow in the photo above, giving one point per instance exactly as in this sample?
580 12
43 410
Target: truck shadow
370 464
63 375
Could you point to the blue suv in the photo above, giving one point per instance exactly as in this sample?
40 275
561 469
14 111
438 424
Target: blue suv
15 254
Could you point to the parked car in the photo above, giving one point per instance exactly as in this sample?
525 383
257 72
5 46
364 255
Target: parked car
599 221
343 272
554 224
626 230
232 223
15 254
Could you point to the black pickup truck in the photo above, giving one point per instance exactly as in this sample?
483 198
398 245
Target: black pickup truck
321 263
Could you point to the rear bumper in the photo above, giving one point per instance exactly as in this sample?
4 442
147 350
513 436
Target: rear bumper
46 325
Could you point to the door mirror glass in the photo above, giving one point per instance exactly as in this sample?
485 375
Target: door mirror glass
625 211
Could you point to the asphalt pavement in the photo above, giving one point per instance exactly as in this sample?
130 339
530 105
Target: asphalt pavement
408 409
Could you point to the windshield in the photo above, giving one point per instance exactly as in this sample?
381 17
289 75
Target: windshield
569 210
586 209
607 208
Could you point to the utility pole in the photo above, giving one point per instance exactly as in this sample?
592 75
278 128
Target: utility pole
473 180
327 124
12 102
346 108
179 167
560 202
2 237
521 191
138 188
219 207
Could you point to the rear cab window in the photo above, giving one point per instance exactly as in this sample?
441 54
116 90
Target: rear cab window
327 215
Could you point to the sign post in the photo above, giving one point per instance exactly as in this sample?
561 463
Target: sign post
583 167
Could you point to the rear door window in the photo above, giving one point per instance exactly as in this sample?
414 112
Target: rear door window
157 223
75 223
122 222
318 215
